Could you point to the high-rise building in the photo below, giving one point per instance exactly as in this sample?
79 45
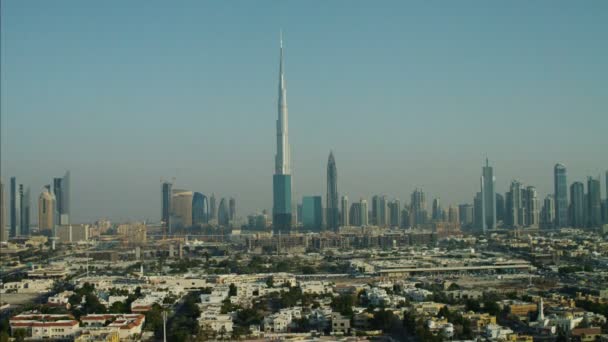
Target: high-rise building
374 217
465 214
405 217
532 210
281 180
594 202
516 207
212 207
364 214
488 197
61 190
453 216
166 194
223 213
436 214
312 213
344 219
200 209
383 219
15 209
355 214
3 231
577 206
560 195
24 194
394 213
333 213
418 213
181 205
548 212
232 205
478 213
500 208
46 210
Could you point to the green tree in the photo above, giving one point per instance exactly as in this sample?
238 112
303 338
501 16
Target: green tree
343 304
232 290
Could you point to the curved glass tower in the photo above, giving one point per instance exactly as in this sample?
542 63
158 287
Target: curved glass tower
200 209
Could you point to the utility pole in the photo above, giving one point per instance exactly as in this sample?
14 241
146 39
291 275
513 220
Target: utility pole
164 326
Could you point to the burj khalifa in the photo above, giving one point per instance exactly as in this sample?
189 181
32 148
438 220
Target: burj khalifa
281 180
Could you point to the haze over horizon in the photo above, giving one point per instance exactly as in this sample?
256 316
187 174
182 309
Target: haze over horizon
406 95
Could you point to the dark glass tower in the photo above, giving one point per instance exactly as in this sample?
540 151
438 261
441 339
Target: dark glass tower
333 213
594 202
200 209
488 197
577 207
223 215
281 180
15 209
561 195
165 215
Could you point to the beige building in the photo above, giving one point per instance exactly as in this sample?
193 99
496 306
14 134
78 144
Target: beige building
73 233
133 233
182 208
46 210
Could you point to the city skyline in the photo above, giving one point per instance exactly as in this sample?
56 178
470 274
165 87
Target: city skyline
109 182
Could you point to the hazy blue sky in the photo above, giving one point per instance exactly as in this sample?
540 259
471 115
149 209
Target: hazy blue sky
406 94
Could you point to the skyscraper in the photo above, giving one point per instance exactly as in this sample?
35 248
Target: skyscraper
394 213
436 214
532 207
312 213
3 232
46 210
515 205
363 209
465 213
333 213
166 194
344 220
560 195
453 216
200 209
577 206
488 196
478 213
212 207
281 180
181 205
15 210
355 214
418 213
61 190
223 213
24 214
548 212
374 217
594 202
232 208
500 208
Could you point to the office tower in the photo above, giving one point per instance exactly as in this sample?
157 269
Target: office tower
606 185
354 213
478 213
15 209
594 202
532 207
488 196
516 212
577 206
223 213
548 212
299 213
166 194
344 219
375 210
200 209
181 204
383 218
405 217
3 232
281 180
560 195
465 214
453 216
24 194
312 213
436 214
61 190
364 214
418 211
333 213
500 208
232 205
394 213
46 210
212 207
294 214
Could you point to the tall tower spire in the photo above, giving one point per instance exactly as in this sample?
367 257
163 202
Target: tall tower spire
282 162
281 181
